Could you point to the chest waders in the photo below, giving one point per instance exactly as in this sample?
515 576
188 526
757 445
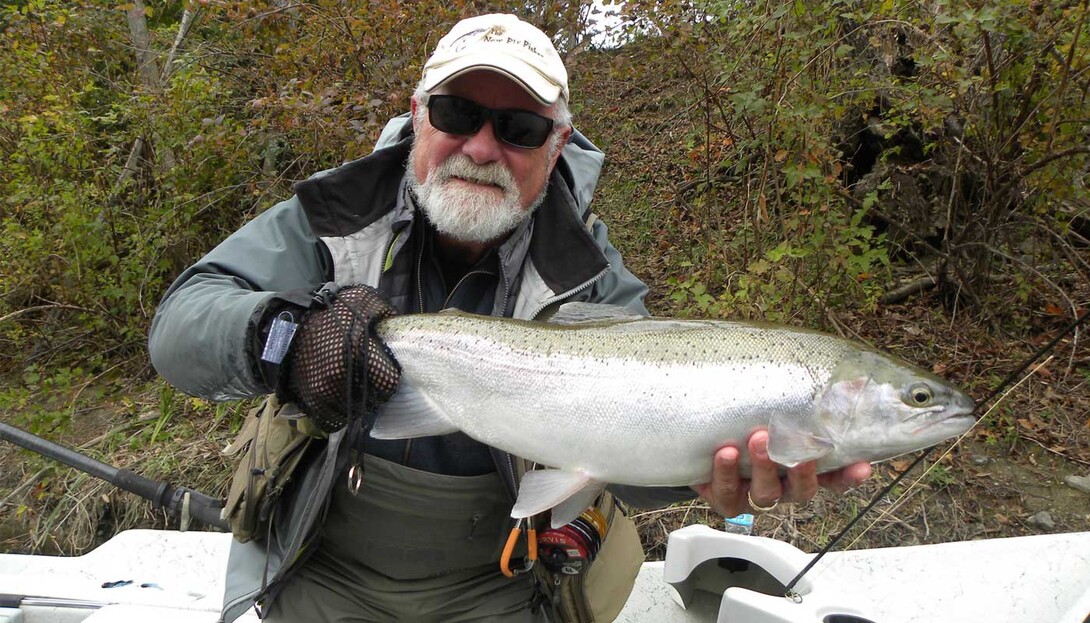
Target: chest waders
413 546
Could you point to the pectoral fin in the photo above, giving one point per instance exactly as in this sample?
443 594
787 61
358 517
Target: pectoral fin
411 413
790 444
567 493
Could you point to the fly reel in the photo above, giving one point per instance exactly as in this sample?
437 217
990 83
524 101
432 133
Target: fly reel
571 548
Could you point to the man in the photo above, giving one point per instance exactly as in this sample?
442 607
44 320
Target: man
479 202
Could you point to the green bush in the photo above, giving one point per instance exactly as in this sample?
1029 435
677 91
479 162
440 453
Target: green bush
829 150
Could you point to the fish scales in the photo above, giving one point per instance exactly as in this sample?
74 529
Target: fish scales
681 379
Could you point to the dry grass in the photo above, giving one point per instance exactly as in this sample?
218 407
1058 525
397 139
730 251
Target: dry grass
53 509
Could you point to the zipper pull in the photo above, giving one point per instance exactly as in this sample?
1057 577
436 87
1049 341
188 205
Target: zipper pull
323 296
473 521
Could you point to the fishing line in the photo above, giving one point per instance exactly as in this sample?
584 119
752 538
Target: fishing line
904 498
1011 378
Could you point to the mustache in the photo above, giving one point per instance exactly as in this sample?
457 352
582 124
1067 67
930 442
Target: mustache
460 165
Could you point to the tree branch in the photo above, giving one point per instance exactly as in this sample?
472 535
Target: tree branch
1044 162
183 29
918 285
20 312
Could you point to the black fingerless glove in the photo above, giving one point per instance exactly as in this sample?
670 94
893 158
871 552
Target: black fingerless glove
336 366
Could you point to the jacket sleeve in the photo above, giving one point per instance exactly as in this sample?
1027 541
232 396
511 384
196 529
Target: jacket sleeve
202 335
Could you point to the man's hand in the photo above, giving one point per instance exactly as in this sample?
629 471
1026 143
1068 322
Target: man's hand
729 494
336 359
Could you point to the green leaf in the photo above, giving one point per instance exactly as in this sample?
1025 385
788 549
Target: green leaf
759 267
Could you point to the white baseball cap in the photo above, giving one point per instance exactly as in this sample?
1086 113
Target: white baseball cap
501 43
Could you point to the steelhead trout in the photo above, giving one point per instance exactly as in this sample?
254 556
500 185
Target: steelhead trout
602 396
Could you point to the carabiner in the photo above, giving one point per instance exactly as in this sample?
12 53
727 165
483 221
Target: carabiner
509 548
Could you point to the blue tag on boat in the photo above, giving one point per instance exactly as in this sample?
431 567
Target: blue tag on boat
281 331
742 524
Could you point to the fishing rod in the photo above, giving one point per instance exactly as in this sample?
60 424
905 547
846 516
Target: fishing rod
181 502
789 589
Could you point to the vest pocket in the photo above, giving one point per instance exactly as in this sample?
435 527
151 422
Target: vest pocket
268 449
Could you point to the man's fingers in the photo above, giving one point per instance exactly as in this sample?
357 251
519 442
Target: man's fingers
726 483
724 493
727 491
802 482
854 475
848 478
765 488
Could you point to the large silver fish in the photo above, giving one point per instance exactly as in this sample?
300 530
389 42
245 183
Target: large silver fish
603 396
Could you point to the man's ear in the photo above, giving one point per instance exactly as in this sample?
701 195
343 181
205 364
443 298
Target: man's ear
412 109
565 135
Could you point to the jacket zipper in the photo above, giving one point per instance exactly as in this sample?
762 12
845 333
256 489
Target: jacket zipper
514 475
506 289
572 292
420 279
471 273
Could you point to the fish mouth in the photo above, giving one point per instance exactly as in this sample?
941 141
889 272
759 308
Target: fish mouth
960 420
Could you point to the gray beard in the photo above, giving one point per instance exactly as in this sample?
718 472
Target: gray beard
465 214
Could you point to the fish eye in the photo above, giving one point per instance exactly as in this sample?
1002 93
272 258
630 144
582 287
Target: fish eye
920 395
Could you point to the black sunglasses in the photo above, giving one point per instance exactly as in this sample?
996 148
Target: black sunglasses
457 115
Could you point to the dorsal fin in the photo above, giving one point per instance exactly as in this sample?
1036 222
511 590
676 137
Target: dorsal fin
589 313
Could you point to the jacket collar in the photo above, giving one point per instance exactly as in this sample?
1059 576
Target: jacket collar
347 199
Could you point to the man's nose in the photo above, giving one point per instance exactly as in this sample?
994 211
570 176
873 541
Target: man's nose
483 147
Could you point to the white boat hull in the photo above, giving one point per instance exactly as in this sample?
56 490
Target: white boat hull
176 577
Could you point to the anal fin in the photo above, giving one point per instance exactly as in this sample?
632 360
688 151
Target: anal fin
567 493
